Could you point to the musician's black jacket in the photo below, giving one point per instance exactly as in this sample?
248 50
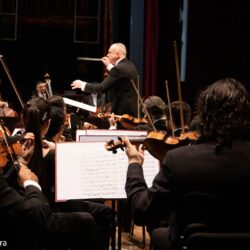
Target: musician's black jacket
22 217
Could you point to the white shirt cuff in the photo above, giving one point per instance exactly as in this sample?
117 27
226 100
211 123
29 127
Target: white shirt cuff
32 183
113 127
109 67
83 84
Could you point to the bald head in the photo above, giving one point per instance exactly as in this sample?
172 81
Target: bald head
117 51
119 48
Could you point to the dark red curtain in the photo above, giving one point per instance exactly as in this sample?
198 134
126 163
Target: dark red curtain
107 35
151 47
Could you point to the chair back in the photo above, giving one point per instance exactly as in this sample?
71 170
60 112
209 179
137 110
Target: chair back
215 223
200 237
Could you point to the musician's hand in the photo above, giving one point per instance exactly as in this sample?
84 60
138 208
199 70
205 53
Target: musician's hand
78 84
61 138
27 148
112 122
135 155
2 104
25 174
49 145
87 125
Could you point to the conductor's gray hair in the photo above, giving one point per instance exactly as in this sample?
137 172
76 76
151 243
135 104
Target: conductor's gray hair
121 48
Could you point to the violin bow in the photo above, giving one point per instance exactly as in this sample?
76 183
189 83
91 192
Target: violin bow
11 80
169 108
48 87
179 86
144 107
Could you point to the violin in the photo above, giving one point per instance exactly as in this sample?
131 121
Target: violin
157 143
130 122
127 121
114 145
9 148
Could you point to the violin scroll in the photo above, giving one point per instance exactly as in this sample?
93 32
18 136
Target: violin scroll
114 145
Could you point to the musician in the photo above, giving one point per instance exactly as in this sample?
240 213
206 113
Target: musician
36 116
72 121
118 86
27 221
41 90
176 127
156 109
98 100
56 127
214 172
18 212
155 113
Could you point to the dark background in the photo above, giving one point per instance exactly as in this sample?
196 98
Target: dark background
217 44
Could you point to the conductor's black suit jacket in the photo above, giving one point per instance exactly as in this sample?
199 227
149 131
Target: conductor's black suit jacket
194 184
119 88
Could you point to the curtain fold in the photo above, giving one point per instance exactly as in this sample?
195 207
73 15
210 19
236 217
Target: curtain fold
107 35
151 47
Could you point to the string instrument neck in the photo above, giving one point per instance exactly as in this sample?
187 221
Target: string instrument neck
127 121
157 143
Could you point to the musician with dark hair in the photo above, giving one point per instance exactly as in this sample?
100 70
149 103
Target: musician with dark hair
27 220
206 182
176 111
155 109
41 90
37 117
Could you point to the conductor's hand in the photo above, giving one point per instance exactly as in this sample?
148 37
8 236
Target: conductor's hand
105 60
135 154
77 84
25 174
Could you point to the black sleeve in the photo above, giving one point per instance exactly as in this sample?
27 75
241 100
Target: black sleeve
11 202
33 207
106 84
37 208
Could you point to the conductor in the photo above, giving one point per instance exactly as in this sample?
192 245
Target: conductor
118 85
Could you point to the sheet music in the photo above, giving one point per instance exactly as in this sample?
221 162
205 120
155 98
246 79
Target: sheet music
86 170
79 104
